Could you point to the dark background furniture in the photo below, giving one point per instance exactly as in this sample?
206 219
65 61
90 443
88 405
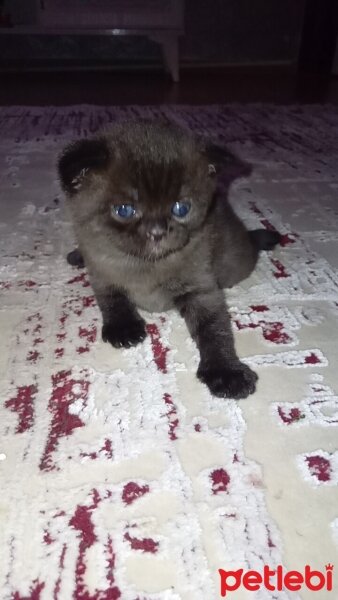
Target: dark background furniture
318 40
217 32
279 51
161 21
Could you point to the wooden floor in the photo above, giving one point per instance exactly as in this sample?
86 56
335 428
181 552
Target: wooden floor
197 86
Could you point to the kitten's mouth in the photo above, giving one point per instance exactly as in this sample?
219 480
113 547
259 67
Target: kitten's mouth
153 250
158 250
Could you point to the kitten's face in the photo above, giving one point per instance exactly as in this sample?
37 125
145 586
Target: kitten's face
153 209
144 186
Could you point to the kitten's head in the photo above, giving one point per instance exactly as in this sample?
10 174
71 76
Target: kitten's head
146 186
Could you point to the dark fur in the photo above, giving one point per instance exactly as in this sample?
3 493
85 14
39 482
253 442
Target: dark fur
154 261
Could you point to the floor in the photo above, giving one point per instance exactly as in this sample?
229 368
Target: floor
121 476
150 488
198 86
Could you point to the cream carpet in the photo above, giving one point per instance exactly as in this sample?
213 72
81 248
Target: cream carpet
121 477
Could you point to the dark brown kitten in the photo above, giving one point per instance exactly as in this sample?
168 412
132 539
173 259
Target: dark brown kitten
155 234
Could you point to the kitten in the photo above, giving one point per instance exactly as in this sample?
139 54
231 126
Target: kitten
155 233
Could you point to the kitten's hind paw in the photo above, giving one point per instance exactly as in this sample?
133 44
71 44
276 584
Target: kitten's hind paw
75 258
124 335
265 239
236 382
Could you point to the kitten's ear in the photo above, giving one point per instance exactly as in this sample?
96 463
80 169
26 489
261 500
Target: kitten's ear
79 159
225 162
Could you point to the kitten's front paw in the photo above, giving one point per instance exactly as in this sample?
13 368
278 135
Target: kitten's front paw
124 335
236 382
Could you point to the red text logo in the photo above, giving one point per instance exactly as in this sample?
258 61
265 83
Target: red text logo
276 579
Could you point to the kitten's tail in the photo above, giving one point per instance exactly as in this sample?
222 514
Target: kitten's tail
264 239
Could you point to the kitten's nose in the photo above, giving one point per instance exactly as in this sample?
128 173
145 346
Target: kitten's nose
154 237
156 233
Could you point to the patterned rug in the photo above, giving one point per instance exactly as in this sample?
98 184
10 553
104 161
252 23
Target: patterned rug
121 477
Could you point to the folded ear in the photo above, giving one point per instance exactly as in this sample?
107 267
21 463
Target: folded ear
226 163
79 159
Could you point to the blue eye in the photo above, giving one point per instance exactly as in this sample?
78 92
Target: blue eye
124 211
181 209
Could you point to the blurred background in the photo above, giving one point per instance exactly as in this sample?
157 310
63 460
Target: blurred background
106 51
